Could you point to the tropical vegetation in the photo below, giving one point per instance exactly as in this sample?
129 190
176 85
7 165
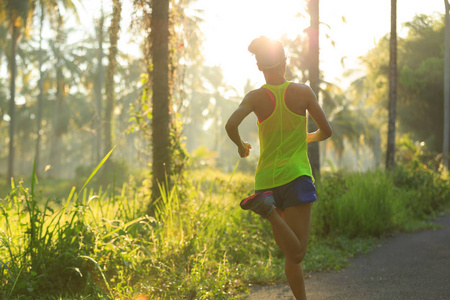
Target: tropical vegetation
117 181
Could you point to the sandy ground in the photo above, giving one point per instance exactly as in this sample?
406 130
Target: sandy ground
407 266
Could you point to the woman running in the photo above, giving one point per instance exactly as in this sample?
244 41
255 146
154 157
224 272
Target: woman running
284 188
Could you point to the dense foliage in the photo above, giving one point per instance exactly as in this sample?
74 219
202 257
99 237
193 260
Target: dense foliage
421 71
198 244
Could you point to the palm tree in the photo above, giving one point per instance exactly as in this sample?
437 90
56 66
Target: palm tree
162 69
64 61
41 89
17 14
446 85
160 100
98 92
359 91
59 121
314 79
390 153
46 7
113 38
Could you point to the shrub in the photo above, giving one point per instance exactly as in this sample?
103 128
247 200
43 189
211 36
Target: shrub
428 191
331 187
367 208
354 205
40 248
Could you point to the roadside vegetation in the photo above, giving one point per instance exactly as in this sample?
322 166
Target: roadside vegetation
72 229
197 244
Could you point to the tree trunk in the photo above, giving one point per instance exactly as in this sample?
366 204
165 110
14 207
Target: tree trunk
314 80
98 96
160 100
113 37
446 86
41 92
377 151
58 119
55 150
390 152
12 103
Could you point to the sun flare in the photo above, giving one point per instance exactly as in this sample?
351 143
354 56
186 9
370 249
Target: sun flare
227 45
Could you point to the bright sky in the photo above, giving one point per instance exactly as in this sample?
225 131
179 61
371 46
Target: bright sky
229 26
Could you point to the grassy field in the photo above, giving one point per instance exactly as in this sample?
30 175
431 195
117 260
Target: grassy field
197 244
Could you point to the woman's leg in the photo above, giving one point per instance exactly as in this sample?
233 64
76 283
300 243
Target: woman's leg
291 235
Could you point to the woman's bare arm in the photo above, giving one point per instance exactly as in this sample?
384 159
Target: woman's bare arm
244 109
319 118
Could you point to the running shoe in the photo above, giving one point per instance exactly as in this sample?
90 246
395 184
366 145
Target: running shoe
261 203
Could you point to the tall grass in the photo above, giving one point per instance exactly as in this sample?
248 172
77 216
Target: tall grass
374 204
367 208
102 245
198 244
50 248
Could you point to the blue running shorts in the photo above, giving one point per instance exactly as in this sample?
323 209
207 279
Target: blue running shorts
297 192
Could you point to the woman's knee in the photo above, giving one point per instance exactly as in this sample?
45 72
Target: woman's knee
297 257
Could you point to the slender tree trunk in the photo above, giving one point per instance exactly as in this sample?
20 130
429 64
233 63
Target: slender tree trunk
377 151
113 37
55 151
313 148
446 85
41 92
12 103
98 95
390 153
160 99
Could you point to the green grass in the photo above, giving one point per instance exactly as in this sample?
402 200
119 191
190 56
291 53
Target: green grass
198 244
48 187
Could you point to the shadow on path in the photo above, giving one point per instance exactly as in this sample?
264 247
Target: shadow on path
406 267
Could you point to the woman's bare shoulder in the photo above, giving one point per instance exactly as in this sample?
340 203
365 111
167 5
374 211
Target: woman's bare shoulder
300 90
255 94
301 87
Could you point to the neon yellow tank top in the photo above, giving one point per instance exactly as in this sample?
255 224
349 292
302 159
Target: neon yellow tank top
282 138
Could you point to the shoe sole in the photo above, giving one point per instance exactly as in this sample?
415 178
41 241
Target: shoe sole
249 202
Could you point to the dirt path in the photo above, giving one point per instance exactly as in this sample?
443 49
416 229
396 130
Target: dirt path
407 266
